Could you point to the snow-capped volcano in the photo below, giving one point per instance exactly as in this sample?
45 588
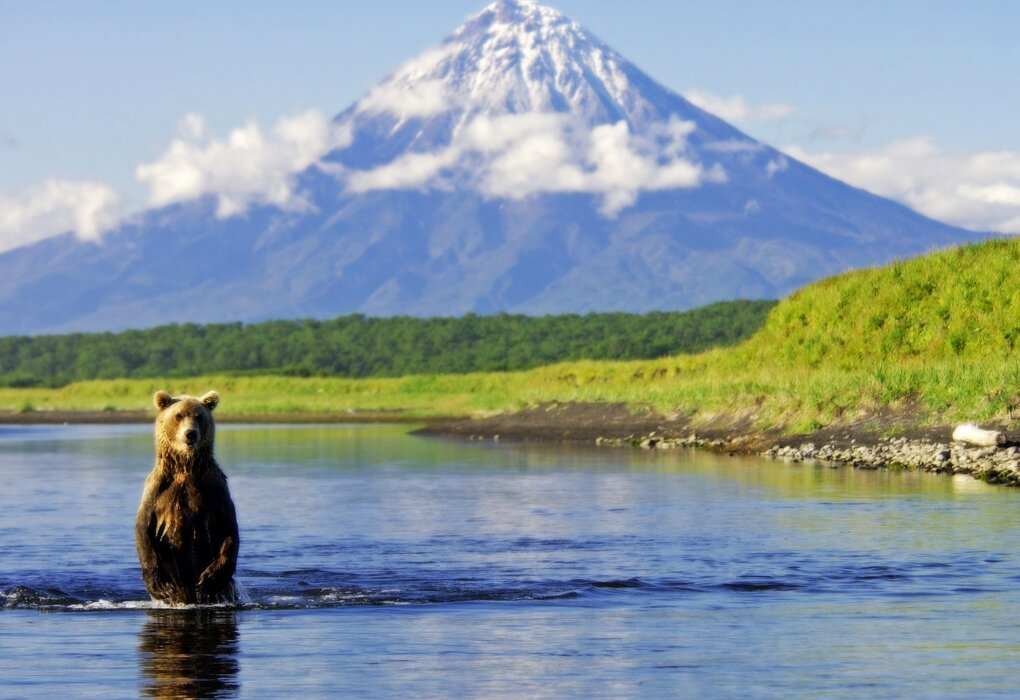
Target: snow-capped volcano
522 101
521 165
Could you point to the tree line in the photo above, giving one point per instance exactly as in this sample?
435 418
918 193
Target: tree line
360 346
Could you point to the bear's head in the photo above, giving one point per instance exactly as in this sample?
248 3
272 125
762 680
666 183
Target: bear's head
184 425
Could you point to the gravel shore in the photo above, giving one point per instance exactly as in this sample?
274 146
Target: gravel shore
996 465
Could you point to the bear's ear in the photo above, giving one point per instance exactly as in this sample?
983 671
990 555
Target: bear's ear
210 400
163 399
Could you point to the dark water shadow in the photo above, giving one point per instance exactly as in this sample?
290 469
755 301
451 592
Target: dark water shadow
189 654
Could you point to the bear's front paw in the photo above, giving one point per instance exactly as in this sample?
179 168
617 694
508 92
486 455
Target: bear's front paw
208 578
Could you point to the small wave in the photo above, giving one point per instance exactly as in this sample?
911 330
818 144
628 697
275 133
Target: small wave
433 594
51 599
103 604
617 583
759 585
27 597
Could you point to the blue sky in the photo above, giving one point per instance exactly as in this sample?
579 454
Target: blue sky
914 100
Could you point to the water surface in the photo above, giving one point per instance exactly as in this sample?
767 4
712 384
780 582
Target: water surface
379 564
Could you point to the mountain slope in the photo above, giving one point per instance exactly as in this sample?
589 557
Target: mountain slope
520 166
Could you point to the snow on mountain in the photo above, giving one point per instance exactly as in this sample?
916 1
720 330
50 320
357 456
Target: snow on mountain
516 56
522 100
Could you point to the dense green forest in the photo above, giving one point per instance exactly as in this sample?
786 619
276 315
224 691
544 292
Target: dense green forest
357 346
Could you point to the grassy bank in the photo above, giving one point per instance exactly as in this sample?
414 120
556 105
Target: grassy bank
931 339
709 385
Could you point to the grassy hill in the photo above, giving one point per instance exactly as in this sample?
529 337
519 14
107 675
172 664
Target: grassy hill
928 340
961 304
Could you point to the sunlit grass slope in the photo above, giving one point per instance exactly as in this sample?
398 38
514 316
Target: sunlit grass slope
933 335
961 304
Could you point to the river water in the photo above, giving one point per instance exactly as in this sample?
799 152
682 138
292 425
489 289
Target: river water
379 564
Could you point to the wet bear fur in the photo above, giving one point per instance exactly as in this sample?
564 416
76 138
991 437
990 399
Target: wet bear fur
186 529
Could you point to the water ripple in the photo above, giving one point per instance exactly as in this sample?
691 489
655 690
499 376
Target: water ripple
311 587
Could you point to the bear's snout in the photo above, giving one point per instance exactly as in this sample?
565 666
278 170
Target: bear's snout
189 435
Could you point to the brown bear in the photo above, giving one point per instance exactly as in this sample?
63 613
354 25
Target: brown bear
186 529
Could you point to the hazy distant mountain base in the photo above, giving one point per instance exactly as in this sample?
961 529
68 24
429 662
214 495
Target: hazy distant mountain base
441 254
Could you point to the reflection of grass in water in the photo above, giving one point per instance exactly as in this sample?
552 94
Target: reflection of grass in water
934 335
304 445
357 446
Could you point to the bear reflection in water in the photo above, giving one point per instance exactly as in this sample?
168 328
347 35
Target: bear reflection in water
189 653
186 528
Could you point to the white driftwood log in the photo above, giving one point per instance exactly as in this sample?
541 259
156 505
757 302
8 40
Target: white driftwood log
973 435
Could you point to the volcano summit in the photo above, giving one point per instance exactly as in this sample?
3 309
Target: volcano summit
522 165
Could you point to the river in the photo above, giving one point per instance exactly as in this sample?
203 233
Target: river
379 564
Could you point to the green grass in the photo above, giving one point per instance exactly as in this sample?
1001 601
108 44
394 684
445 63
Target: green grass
934 336
709 386
961 304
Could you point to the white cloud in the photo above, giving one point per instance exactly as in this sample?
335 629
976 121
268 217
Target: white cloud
518 155
493 134
524 154
57 206
736 109
247 167
776 165
977 190
410 171
427 62
422 98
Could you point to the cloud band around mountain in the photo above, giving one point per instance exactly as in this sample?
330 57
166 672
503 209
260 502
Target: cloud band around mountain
514 156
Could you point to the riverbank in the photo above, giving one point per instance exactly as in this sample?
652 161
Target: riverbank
887 441
843 364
